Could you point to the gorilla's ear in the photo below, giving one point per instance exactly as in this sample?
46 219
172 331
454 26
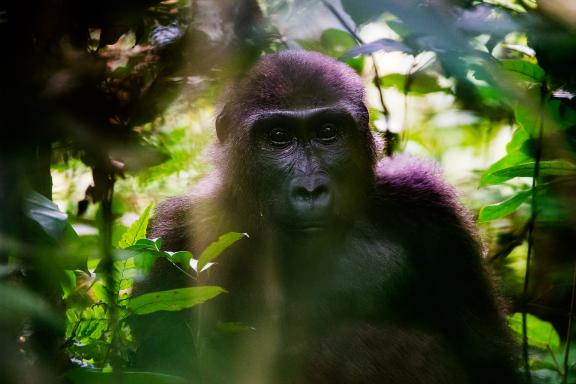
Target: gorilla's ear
223 125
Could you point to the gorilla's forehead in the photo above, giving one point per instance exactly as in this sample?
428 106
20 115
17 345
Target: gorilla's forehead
332 112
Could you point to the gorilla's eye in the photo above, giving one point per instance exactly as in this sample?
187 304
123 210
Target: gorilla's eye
327 133
279 137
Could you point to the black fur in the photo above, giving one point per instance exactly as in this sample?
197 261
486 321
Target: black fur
391 289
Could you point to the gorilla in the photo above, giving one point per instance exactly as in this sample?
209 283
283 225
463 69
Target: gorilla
355 270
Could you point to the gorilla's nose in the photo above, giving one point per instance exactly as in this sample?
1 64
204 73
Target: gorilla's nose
310 195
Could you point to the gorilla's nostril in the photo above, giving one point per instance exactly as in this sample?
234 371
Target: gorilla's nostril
320 191
310 193
310 196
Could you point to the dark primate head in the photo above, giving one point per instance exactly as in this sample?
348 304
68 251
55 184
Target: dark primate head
295 131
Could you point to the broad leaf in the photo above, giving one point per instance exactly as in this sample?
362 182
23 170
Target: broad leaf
496 211
180 257
519 137
172 300
147 244
43 211
548 168
541 334
144 260
216 248
137 230
528 119
525 68
489 177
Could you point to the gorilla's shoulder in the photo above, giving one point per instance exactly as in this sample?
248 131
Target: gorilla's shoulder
411 181
171 222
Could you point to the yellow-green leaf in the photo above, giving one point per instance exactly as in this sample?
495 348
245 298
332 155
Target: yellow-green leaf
496 211
216 248
540 333
137 230
172 300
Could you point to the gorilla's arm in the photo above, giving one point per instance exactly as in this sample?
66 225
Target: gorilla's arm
443 248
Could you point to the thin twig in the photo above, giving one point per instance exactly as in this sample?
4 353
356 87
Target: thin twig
376 79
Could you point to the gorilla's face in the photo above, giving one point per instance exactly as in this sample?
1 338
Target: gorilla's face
311 167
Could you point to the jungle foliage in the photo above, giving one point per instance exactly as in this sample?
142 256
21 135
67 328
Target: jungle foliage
107 108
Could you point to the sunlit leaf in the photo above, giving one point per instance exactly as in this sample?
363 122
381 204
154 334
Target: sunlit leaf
216 248
137 230
547 168
489 177
519 137
144 260
172 300
194 265
527 118
525 68
496 211
540 333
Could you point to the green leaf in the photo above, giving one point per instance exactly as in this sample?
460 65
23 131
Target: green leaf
147 244
540 333
145 260
137 230
96 376
489 176
180 257
496 211
519 137
525 68
172 300
216 248
527 118
547 168
336 42
47 214
417 83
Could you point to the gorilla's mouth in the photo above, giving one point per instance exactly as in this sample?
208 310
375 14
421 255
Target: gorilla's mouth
309 226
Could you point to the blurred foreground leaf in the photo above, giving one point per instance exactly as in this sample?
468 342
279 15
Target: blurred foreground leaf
418 83
17 304
95 376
